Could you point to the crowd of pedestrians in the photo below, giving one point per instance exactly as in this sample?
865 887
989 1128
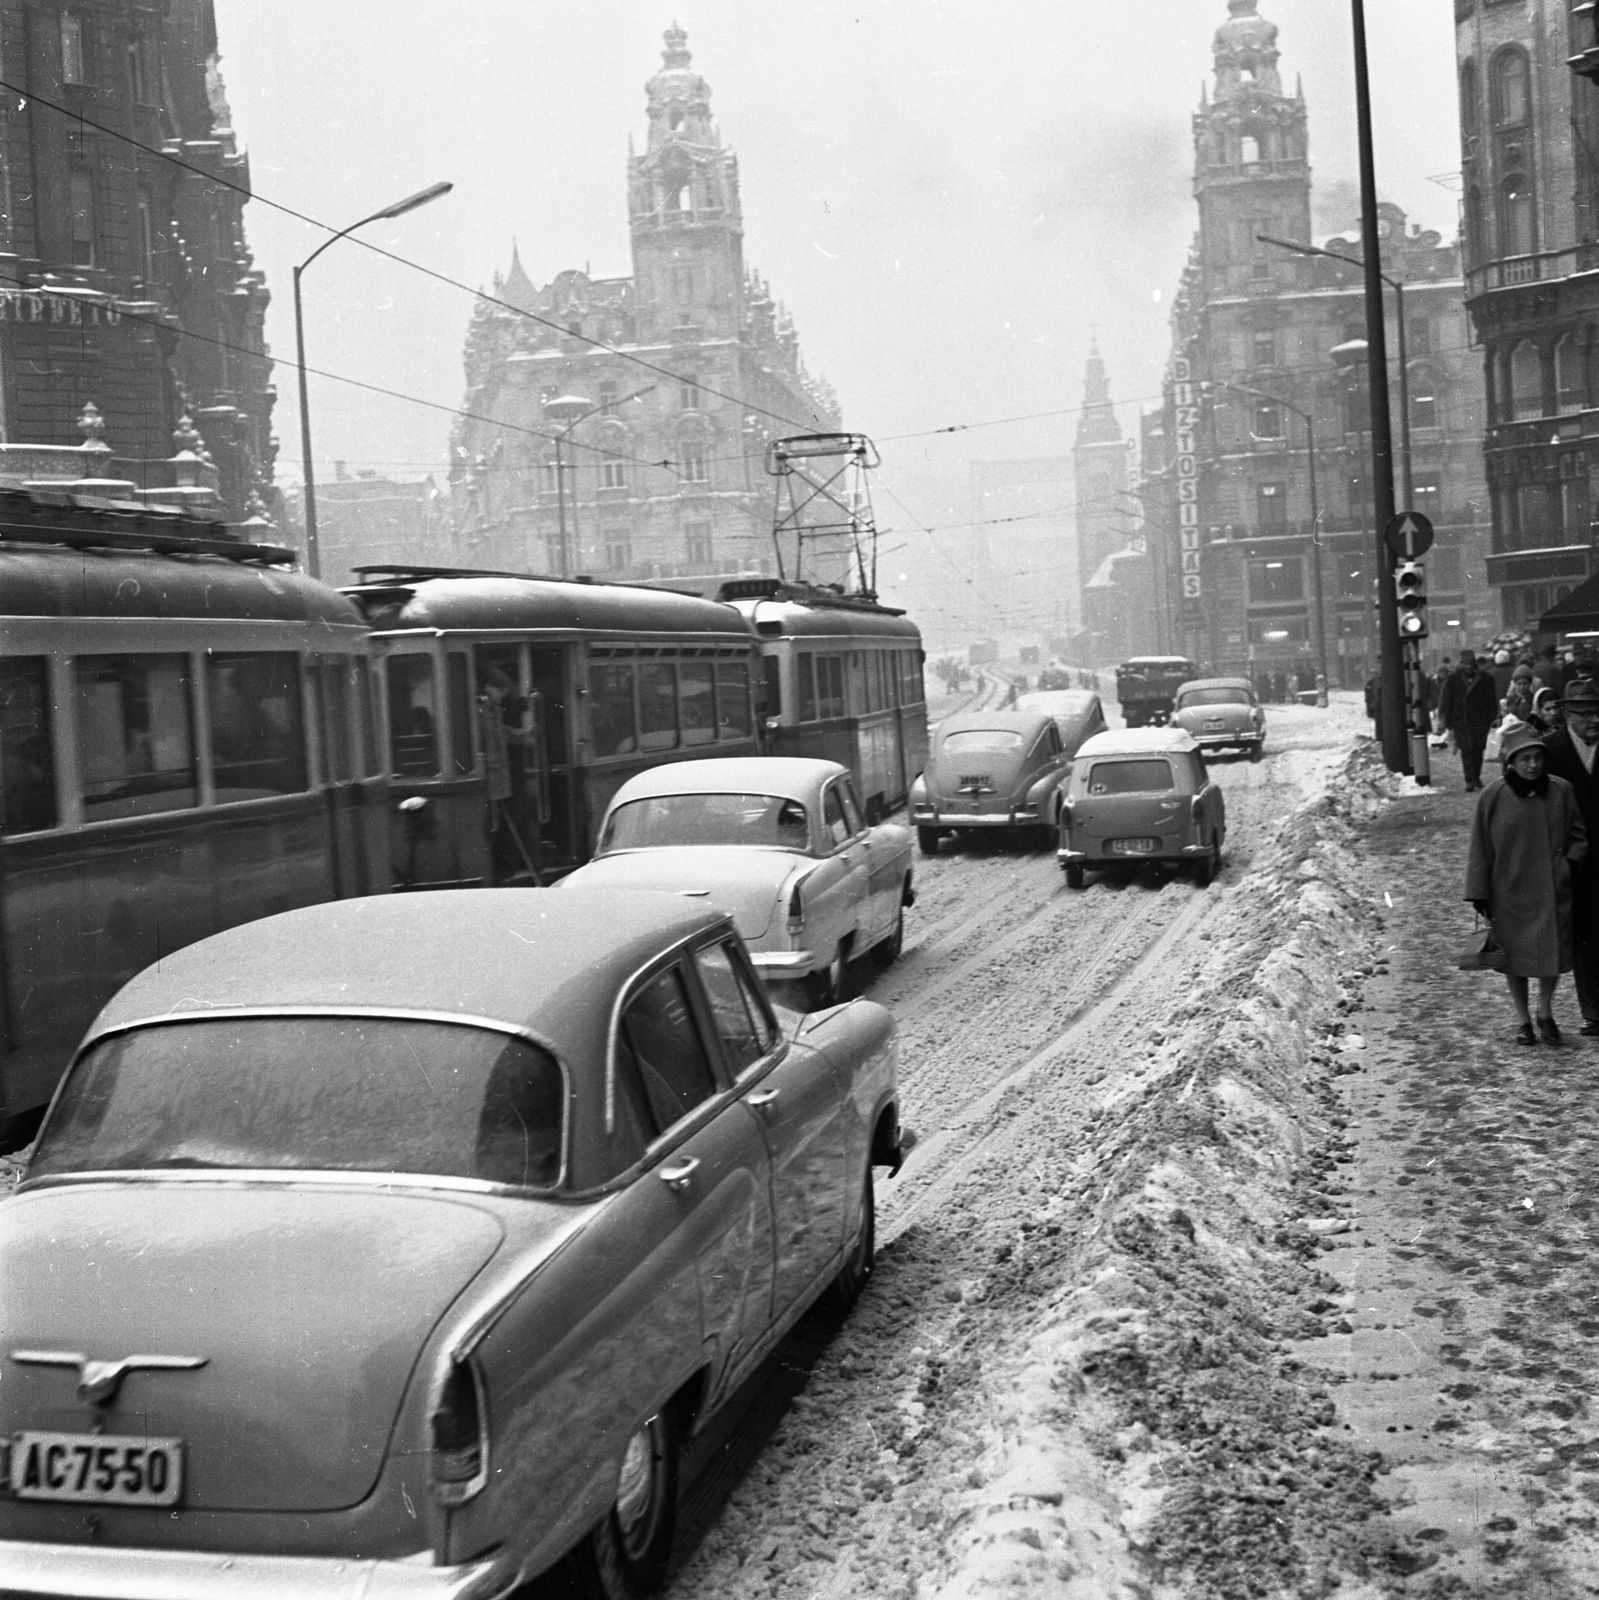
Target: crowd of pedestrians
1529 868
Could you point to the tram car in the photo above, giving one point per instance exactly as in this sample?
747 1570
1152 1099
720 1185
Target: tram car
516 706
841 679
186 743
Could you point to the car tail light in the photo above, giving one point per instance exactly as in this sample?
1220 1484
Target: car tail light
796 910
1198 809
460 1435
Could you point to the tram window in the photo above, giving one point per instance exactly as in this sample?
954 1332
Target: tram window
807 686
27 775
657 705
733 697
830 686
135 727
334 682
413 717
366 718
696 683
771 686
611 710
460 687
257 725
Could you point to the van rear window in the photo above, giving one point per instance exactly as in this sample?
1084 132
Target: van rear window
1130 777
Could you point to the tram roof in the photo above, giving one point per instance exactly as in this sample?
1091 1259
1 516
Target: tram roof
782 618
468 602
44 581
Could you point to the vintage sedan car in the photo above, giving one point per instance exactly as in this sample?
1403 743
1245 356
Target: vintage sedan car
777 842
1222 714
1078 713
990 770
1140 796
396 1247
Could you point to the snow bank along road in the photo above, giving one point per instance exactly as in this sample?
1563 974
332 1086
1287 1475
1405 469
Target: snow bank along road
1076 1372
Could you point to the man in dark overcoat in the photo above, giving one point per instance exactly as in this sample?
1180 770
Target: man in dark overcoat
1572 750
1468 708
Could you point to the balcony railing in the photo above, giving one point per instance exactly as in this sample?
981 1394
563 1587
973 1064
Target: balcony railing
1512 271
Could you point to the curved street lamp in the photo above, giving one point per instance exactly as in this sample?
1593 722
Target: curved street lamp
313 553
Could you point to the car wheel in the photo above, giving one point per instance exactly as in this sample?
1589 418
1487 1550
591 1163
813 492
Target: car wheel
625 1557
887 953
853 1276
826 988
1074 875
1257 750
1206 868
927 841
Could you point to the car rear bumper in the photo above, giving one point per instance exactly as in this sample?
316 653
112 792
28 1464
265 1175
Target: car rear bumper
783 963
1223 740
1103 858
107 1572
974 819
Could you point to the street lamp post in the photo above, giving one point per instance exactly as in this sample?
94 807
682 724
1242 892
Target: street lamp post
573 409
313 554
1315 527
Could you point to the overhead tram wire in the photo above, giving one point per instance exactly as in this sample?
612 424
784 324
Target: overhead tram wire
416 266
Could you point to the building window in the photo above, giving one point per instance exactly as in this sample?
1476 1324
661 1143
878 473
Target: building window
1423 402
1418 336
1508 89
72 58
1568 374
1279 632
1249 149
1447 566
1349 573
693 468
688 393
144 238
613 472
1468 97
1574 513
1533 529
1427 496
618 549
1516 220
80 189
697 544
1526 382
1280 578
1271 504
1265 348
1266 420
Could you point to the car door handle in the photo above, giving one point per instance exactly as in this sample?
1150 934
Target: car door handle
677 1176
763 1097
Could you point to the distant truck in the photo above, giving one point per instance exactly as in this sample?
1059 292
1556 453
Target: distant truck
1147 687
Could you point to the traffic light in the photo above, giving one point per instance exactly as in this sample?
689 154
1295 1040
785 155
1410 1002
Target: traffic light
1410 585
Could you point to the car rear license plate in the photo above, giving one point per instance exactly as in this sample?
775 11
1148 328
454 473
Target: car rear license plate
1134 847
103 1468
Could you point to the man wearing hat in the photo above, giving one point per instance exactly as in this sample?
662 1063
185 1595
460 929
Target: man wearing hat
1571 753
1468 708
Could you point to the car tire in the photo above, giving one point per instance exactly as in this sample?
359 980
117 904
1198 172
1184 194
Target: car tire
625 1557
826 988
927 841
887 953
1074 874
1257 750
845 1289
1206 868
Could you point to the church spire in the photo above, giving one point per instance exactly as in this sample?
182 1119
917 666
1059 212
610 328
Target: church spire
1097 422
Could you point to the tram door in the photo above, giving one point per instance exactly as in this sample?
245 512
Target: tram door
336 717
551 670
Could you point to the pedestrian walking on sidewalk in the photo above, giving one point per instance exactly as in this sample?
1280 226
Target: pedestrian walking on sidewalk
1468 708
1572 749
1527 843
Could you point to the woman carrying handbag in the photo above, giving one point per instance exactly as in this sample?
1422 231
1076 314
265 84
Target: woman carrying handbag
1526 838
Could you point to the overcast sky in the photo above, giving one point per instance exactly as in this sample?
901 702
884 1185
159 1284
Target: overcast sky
949 197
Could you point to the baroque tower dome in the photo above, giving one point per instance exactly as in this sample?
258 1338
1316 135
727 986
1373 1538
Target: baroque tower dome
1246 53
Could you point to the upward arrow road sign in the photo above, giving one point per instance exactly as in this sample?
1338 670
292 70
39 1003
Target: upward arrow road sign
1408 535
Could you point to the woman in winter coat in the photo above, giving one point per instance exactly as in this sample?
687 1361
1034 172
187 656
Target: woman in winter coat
1526 839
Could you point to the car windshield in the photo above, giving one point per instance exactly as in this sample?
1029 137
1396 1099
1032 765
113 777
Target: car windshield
672 819
959 744
1213 697
1130 777
346 1094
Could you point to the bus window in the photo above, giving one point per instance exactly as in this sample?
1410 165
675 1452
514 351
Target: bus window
611 710
657 705
460 687
366 719
413 717
697 685
807 686
27 773
333 680
733 696
135 735
257 726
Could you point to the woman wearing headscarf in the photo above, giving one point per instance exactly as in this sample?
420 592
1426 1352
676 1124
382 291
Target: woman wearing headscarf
1527 837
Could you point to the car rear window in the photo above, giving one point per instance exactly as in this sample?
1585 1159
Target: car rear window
355 1094
981 739
1213 697
674 819
1130 777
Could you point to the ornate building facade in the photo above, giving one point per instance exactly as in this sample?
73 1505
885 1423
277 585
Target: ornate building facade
127 291
1268 348
1529 131
629 417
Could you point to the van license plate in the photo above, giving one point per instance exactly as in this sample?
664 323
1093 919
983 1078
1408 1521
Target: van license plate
1134 847
100 1468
